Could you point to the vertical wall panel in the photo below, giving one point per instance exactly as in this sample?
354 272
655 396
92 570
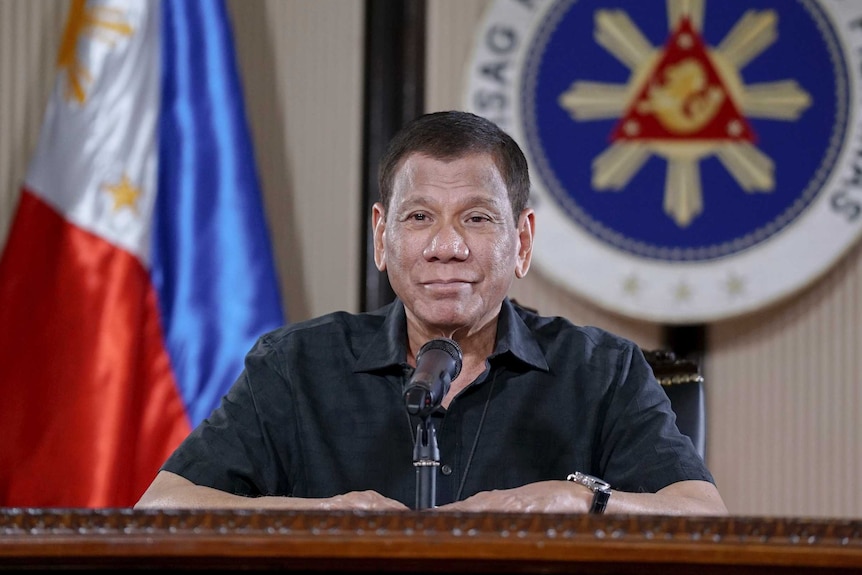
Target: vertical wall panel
784 398
302 66
451 28
29 37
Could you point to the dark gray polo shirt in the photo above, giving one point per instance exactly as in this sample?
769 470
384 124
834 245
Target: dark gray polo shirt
318 411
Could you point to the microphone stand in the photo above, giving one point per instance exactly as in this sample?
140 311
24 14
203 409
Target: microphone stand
426 460
437 364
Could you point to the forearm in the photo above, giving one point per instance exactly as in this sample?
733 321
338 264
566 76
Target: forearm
683 498
199 497
171 491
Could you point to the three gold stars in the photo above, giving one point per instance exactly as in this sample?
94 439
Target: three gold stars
734 286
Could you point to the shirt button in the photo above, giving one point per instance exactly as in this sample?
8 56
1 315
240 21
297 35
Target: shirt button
446 470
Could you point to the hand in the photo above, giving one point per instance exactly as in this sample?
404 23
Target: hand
365 500
541 497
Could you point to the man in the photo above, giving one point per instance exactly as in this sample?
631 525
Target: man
317 420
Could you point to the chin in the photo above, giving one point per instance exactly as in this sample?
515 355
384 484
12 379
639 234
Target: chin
446 315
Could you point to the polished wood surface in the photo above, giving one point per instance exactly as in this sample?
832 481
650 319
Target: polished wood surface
423 541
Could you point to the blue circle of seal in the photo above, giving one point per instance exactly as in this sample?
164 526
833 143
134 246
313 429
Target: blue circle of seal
803 150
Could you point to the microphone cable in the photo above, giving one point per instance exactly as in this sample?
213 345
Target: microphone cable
476 439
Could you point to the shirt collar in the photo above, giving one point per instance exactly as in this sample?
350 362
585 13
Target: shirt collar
516 338
387 347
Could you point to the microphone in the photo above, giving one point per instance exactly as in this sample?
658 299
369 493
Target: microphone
437 364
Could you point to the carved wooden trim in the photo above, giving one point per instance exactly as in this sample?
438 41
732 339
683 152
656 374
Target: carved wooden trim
671 370
408 541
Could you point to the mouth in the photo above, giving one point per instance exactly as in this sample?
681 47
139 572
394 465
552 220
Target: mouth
446 282
446 286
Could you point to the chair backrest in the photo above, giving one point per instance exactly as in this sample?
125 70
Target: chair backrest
682 381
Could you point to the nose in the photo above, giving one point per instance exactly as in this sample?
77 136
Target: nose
446 244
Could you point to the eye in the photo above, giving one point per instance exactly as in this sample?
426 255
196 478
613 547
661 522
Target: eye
417 217
478 218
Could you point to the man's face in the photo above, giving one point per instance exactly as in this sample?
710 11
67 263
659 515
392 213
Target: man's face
449 242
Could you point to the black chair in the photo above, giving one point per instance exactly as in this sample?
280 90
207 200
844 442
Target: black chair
682 381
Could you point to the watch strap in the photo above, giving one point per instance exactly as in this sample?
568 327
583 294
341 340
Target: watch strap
600 501
601 490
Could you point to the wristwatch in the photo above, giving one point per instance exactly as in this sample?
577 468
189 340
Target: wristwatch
601 490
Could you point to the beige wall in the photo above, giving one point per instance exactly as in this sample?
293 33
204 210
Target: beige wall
784 384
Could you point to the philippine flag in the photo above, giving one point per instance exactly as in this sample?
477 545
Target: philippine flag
138 270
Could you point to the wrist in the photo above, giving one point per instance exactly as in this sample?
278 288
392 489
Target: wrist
601 490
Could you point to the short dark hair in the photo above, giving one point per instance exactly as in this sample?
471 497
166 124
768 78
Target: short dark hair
451 135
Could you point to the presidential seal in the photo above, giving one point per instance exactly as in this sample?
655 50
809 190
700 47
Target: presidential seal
692 160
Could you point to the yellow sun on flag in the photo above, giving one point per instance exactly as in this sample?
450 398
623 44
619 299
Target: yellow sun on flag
125 194
97 22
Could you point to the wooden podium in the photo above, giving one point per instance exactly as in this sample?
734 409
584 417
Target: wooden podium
423 542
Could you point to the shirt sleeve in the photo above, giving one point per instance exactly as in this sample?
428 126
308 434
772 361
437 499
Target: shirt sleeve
231 450
642 448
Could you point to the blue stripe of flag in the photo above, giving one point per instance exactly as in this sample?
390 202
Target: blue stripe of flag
212 262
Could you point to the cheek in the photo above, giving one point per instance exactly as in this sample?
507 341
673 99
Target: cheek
393 253
398 248
503 256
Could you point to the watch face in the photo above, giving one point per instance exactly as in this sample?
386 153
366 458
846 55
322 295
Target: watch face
604 485
593 483
601 490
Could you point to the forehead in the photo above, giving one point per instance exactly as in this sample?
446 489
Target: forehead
477 171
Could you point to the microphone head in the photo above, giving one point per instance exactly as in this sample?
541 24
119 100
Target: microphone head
430 381
450 346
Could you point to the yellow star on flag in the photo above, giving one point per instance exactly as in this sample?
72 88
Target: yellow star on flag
125 194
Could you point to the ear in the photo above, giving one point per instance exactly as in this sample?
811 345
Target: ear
378 224
526 229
